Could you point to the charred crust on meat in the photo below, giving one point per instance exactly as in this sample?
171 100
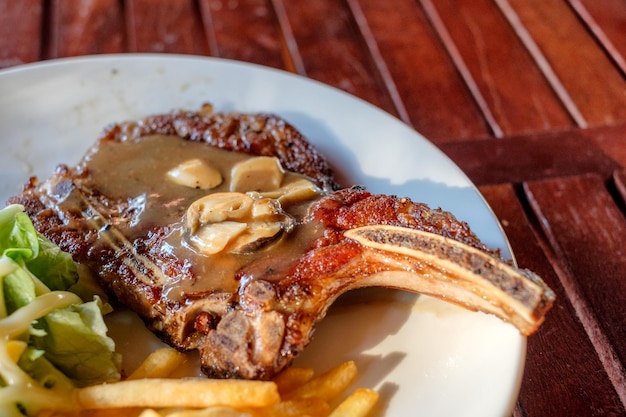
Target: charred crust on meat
256 326
258 134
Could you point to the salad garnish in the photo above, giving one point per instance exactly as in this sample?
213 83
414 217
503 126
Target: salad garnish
51 341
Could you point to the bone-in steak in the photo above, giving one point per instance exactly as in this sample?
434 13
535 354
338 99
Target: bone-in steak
241 263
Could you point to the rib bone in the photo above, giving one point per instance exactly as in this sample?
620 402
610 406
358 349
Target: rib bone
249 314
428 263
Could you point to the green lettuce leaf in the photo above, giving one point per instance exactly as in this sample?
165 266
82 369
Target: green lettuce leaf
67 347
76 343
18 237
33 254
52 266
35 364
18 288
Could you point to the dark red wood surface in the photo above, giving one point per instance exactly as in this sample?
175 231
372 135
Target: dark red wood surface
528 97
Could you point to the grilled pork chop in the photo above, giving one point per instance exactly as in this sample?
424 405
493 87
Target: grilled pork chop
227 234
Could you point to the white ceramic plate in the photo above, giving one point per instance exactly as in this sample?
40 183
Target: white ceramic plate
425 357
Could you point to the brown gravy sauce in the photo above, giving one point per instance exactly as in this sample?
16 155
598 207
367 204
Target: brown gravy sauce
134 171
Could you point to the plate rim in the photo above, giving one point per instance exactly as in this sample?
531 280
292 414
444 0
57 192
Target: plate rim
129 57
133 56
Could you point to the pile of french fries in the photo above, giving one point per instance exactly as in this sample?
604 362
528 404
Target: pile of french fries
150 392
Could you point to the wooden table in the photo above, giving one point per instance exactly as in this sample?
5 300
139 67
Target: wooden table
528 97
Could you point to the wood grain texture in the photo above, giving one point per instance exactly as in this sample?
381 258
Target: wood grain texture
434 97
20 31
586 231
81 27
611 139
514 89
528 157
605 19
246 30
592 80
165 26
528 97
620 184
331 50
553 365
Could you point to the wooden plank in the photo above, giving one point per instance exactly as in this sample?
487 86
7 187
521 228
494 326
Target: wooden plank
20 31
434 97
524 158
508 80
246 30
619 177
592 81
330 49
611 139
605 19
80 27
587 232
165 26
556 381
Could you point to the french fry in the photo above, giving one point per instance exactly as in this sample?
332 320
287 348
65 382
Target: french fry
188 392
117 412
291 378
327 385
358 404
295 392
159 364
149 412
310 407
209 412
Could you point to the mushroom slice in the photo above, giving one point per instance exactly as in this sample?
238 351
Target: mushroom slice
234 222
256 236
218 207
294 190
266 208
196 173
431 264
261 173
213 238
299 190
